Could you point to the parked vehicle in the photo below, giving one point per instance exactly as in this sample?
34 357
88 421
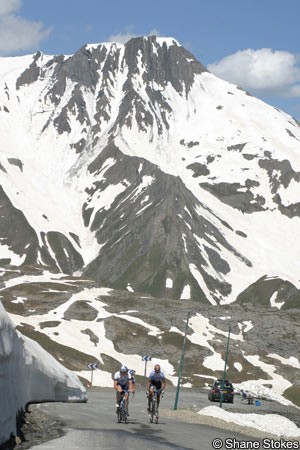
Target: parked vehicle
227 391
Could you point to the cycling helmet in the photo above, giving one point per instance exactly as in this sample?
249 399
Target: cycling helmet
123 369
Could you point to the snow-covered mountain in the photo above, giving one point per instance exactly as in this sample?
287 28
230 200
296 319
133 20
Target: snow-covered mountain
136 166
135 187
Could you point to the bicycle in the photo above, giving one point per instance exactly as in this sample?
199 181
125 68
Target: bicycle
121 410
153 408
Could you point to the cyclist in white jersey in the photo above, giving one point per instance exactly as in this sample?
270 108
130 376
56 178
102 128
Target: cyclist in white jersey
132 373
156 379
122 382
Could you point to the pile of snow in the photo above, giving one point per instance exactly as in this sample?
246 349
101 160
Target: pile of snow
268 423
28 374
257 389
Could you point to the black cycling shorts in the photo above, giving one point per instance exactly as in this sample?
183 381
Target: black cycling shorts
157 384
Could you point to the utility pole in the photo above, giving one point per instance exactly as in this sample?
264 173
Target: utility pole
225 366
146 358
181 362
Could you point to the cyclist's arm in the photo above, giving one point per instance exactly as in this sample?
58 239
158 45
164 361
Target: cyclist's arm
130 387
117 387
148 384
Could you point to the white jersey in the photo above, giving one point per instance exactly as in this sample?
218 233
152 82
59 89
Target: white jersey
122 379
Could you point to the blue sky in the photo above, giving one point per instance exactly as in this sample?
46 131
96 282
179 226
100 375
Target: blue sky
252 43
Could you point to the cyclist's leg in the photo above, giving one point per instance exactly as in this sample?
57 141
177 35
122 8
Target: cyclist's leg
119 394
118 398
151 389
158 398
119 406
157 405
126 397
158 391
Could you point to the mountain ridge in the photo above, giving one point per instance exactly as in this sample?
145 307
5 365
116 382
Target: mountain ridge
80 322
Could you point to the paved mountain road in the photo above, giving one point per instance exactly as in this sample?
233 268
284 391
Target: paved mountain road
93 425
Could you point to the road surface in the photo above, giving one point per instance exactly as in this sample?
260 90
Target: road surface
93 425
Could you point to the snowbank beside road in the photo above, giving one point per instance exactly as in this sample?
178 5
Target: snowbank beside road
270 423
28 374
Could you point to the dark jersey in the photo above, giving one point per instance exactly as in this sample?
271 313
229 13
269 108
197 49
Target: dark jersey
156 378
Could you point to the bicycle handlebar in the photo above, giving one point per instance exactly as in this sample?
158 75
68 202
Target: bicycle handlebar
156 391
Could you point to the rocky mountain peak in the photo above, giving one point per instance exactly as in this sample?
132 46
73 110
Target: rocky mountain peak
162 61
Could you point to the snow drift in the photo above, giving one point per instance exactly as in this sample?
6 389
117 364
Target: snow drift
28 374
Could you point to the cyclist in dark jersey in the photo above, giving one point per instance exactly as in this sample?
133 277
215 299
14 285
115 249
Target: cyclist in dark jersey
156 379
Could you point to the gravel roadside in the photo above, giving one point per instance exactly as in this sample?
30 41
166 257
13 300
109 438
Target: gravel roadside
37 428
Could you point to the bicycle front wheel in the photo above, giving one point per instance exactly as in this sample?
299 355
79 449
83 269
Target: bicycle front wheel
152 411
124 413
155 412
119 415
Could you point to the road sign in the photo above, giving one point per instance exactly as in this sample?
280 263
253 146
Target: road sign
92 366
146 358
